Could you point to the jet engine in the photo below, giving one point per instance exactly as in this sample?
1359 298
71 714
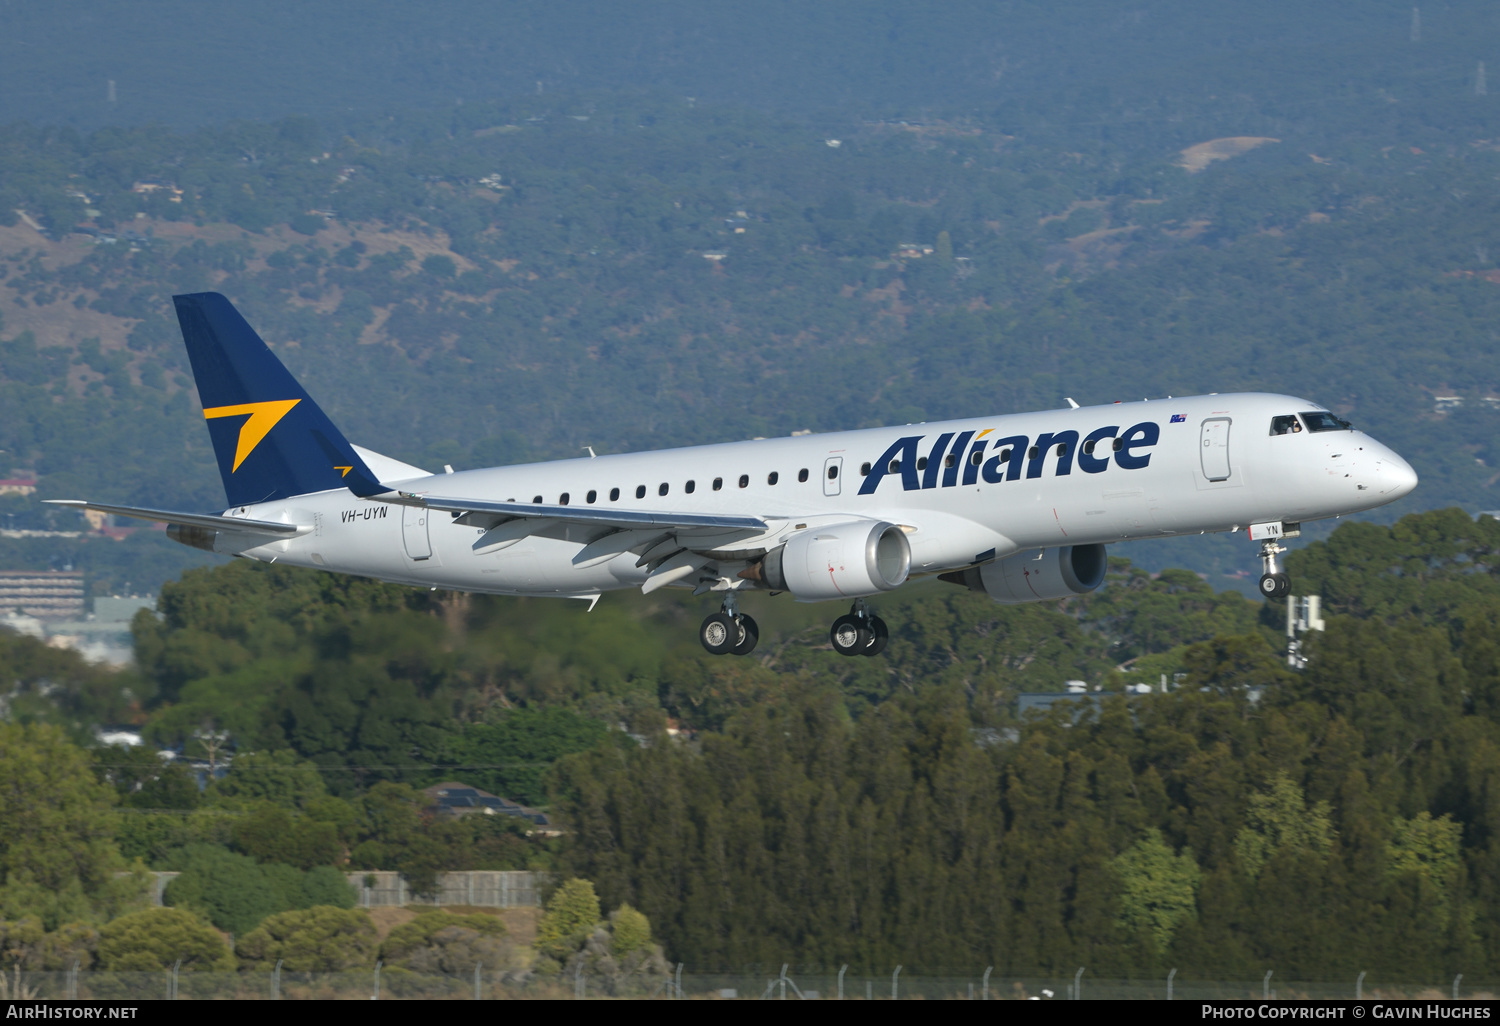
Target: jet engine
849 560
1036 575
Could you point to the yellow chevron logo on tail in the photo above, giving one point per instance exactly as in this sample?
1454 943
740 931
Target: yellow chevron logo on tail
261 418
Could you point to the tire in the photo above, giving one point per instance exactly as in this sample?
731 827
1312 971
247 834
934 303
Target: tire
719 634
749 635
1270 587
849 636
1283 585
879 637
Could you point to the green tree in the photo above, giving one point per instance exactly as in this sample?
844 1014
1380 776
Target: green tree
156 938
277 776
230 890
271 833
324 885
629 931
318 939
1158 888
143 781
571 915
1278 819
1432 850
57 825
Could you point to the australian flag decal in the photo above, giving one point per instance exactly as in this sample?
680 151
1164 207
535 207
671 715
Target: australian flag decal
1178 418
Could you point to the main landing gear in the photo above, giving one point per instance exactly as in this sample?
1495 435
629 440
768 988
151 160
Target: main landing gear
859 633
729 632
1273 583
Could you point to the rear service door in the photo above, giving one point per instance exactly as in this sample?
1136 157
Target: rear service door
1214 450
414 532
833 469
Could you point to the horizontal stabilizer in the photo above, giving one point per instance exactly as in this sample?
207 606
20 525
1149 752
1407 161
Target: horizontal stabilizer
581 514
210 521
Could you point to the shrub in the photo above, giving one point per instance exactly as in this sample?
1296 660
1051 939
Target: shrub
155 938
409 938
230 890
572 912
325 885
630 931
321 939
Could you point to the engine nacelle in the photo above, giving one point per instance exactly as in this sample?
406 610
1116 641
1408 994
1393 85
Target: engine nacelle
840 561
1036 576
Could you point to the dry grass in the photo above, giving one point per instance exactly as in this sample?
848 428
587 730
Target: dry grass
1196 158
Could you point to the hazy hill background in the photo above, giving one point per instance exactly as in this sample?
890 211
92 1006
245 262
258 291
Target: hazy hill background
466 267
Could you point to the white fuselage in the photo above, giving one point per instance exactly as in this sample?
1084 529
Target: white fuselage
1215 466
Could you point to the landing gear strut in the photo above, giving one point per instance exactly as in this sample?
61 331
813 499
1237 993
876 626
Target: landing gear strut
859 633
1273 583
729 632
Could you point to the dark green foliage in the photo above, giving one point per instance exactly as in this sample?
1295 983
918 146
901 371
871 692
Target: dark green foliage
1337 819
232 891
318 939
326 886
144 781
509 754
272 834
236 894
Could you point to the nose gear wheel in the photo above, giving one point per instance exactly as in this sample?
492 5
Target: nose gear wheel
1273 582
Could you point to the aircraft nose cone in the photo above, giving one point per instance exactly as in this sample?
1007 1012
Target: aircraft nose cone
1397 478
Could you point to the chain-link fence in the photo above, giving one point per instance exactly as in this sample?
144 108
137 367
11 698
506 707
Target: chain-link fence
753 983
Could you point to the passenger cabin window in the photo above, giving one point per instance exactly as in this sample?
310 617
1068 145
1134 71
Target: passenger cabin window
614 495
1088 447
772 478
718 484
593 496
1320 420
802 475
864 470
1032 453
562 500
833 471
690 486
744 480
950 460
640 491
921 462
661 489
1285 425
537 500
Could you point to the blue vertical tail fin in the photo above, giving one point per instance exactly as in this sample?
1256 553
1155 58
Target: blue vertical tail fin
271 440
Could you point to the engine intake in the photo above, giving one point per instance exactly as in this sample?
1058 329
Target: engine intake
862 557
1037 575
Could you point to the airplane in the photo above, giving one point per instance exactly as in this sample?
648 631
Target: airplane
1018 506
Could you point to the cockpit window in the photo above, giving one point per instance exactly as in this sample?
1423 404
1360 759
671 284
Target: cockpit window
1286 425
1320 421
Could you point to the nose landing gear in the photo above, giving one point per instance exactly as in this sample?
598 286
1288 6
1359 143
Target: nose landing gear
729 632
859 633
1273 583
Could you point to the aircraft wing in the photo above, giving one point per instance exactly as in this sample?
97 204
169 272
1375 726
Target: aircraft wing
211 521
500 511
